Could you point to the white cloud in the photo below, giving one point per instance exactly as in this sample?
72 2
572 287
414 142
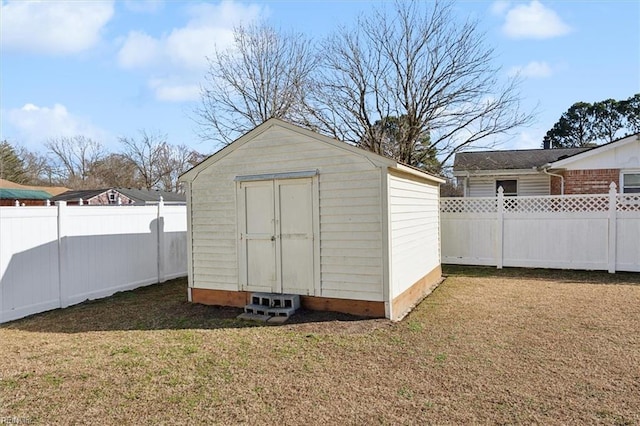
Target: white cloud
174 91
34 124
140 50
187 47
498 7
53 27
178 58
533 69
534 21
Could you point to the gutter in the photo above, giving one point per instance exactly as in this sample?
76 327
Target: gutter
545 169
465 184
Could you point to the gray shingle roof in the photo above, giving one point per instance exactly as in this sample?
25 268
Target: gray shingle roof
152 195
75 195
510 160
139 196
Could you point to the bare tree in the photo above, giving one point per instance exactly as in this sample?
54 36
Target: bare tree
418 62
115 170
180 159
150 155
73 157
388 137
37 167
264 74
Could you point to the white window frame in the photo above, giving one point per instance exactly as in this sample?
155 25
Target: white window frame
628 172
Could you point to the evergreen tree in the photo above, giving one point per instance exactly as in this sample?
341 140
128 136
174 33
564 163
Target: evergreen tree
11 166
585 124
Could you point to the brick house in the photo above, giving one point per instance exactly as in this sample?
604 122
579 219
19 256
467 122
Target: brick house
551 171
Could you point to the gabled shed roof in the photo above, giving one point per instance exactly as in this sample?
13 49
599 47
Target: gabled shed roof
379 160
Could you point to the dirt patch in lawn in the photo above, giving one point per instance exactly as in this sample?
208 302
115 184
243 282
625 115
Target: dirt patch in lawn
511 346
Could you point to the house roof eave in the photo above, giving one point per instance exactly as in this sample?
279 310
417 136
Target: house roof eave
498 172
561 164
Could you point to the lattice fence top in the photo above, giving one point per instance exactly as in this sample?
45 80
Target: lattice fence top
550 204
542 204
628 203
469 205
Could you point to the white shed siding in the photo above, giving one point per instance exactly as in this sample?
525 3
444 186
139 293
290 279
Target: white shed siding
415 241
350 213
535 184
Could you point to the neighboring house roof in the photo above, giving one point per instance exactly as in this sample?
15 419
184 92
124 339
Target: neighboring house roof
52 190
600 149
75 195
149 196
528 159
190 175
511 160
23 194
139 196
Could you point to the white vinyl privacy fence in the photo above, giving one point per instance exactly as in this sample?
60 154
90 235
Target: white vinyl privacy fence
52 257
592 232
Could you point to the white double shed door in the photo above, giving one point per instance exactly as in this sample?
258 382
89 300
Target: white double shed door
276 224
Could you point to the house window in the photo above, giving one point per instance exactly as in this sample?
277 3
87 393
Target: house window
509 186
631 183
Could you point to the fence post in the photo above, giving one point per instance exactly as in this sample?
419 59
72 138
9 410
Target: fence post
613 219
160 222
62 251
499 228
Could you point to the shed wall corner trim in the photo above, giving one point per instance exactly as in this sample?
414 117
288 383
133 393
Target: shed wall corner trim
411 297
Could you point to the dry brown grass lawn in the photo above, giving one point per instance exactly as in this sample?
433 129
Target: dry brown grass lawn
487 346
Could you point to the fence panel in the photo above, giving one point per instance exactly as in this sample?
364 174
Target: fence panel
469 239
628 233
107 249
175 242
593 232
57 256
556 240
29 274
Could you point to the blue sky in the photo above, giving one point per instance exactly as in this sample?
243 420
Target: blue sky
105 69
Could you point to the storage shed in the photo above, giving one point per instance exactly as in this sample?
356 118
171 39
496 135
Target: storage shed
285 210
